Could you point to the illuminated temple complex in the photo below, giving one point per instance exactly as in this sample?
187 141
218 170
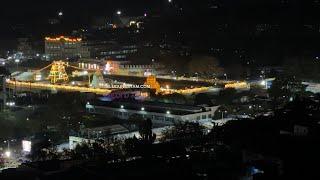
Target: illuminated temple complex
65 47
153 83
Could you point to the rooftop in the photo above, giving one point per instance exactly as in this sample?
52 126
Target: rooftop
112 129
68 39
157 107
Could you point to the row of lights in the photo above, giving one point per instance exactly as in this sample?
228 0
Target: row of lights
142 109
11 103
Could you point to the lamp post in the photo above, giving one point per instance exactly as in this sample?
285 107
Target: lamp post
8 152
17 61
222 113
4 93
226 76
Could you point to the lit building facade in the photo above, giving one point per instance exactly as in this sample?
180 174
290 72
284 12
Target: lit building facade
139 69
152 82
120 52
126 68
65 48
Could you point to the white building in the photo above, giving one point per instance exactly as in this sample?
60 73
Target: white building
312 87
158 112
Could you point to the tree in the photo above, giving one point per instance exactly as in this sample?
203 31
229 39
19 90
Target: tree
4 71
134 120
2 162
226 96
81 151
130 146
303 66
40 150
216 134
145 131
188 132
202 98
284 88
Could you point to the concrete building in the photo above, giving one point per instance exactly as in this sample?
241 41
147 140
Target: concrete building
126 68
24 46
162 113
119 52
65 48
104 131
100 48
139 69
312 87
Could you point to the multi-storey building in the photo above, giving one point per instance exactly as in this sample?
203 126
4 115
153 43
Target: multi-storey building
65 48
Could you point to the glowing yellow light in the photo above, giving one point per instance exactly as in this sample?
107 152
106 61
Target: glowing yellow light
36 85
63 38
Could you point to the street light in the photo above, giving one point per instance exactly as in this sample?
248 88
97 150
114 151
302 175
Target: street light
17 61
226 76
142 109
222 113
7 154
11 103
119 12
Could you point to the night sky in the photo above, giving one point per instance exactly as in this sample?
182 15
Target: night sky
79 11
199 20
22 10
36 13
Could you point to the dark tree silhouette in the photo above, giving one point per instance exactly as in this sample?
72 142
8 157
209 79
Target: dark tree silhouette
188 132
202 99
145 131
284 88
4 71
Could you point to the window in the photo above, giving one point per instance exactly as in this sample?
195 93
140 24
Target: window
169 119
159 118
198 117
210 115
204 116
